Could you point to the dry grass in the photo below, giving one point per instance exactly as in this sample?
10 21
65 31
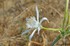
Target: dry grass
12 24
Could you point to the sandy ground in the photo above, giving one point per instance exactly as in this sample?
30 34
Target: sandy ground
13 14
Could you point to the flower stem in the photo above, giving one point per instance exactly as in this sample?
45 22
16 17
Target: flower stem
53 29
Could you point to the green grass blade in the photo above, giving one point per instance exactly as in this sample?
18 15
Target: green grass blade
65 15
56 40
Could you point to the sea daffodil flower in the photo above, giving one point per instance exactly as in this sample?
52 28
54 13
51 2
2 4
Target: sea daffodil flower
34 23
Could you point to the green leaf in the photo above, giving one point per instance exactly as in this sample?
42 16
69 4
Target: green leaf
66 16
56 40
67 33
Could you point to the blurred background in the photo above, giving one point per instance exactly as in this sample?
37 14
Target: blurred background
13 14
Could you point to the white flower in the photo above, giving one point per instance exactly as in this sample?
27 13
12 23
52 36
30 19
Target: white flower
34 23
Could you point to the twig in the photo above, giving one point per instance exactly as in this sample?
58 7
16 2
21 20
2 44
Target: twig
36 43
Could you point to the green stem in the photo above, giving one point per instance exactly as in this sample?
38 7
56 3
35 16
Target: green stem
67 2
66 14
52 29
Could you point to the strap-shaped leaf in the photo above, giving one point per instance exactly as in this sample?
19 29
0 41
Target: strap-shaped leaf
66 16
67 33
56 40
69 19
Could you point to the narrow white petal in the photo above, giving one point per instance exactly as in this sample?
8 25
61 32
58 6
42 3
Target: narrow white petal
38 30
32 34
26 31
37 13
43 19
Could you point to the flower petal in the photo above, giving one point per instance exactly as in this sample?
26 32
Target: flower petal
37 13
32 34
30 22
39 30
44 18
26 31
